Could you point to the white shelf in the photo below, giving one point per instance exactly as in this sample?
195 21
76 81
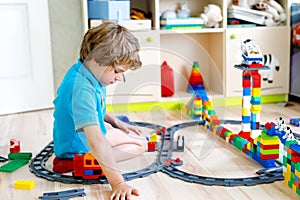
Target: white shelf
203 30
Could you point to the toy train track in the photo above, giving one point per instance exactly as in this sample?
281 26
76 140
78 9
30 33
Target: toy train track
63 195
38 165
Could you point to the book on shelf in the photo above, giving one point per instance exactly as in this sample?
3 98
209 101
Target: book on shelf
182 27
182 21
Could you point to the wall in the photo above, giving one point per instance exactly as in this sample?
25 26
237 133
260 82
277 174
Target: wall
66 24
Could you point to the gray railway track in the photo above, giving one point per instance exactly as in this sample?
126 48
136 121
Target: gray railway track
38 166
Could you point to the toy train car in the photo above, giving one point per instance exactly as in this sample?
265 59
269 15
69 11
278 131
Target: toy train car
87 167
252 55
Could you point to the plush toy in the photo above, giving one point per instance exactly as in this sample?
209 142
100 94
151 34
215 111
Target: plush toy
271 61
211 16
183 11
271 7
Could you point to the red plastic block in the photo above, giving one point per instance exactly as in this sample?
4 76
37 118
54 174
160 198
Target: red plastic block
151 146
14 146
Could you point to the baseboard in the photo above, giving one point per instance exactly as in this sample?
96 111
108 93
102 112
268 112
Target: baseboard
175 105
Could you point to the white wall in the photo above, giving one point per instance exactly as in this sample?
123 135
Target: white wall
66 24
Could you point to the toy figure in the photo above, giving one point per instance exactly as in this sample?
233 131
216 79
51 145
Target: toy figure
212 16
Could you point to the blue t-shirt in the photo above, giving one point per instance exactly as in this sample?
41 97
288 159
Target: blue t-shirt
80 102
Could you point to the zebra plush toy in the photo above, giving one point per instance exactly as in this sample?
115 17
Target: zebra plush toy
271 61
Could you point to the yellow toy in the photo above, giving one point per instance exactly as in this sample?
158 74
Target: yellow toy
24 184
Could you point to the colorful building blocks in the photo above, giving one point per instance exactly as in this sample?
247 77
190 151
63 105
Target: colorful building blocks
195 81
24 184
17 160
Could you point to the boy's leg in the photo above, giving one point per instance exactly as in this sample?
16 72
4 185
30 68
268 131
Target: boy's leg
124 146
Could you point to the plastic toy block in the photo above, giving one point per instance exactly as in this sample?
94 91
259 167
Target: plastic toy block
20 156
14 146
151 146
13 165
295 121
153 137
24 184
123 118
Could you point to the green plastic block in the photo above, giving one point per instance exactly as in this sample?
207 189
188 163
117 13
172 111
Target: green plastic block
13 165
20 156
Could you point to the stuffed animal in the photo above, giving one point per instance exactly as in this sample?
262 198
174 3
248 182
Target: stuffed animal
271 61
183 11
211 16
271 7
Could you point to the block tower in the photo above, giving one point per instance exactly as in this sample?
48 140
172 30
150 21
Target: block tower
251 102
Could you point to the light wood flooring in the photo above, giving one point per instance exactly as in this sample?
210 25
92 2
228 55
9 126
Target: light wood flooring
205 154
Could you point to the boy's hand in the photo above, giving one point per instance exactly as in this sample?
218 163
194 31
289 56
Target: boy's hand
123 191
127 127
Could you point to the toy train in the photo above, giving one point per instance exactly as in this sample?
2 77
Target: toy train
252 55
87 167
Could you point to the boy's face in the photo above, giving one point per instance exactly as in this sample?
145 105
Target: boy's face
110 74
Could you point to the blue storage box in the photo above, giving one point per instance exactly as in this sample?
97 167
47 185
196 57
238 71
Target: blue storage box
110 10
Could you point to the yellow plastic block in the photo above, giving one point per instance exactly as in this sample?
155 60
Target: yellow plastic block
153 137
294 188
245 112
255 109
271 142
256 92
24 184
297 173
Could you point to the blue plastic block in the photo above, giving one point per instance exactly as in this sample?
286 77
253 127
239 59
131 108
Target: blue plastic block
295 147
123 118
246 119
265 163
246 92
295 121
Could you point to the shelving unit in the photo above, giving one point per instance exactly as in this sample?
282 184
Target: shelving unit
216 50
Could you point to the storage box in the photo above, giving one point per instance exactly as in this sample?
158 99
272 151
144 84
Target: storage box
144 24
129 24
111 10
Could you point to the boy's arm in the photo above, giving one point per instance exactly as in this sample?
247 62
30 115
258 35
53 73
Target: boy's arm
102 150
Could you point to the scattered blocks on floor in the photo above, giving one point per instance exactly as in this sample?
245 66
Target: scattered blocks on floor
24 184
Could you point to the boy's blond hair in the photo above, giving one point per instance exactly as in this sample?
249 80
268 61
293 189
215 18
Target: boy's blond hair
110 44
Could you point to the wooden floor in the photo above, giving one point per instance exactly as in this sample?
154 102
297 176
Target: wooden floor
205 154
